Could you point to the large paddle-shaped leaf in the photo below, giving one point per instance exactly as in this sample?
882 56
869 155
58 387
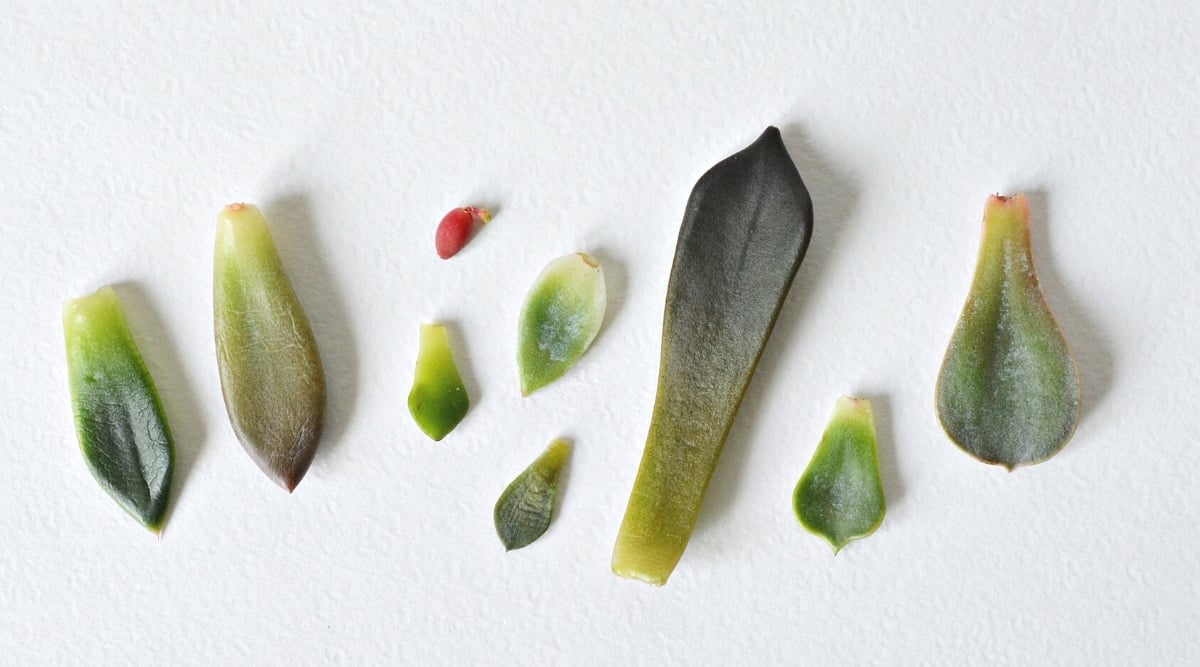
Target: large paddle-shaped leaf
1008 392
745 230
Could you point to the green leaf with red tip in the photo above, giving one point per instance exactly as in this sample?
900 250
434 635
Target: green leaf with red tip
119 418
1008 390
524 510
438 400
840 494
271 374
560 319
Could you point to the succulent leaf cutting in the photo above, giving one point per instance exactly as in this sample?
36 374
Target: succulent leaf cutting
119 418
560 319
271 373
1008 390
745 230
456 228
438 400
840 495
524 510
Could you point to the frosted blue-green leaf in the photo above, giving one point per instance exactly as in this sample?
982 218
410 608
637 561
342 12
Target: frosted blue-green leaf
119 418
840 494
559 320
524 510
438 400
1008 391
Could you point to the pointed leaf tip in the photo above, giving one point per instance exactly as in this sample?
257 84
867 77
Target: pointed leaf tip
271 374
525 508
560 318
744 233
119 418
1008 389
438 400
840 495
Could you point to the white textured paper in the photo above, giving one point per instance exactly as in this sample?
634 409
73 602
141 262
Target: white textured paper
125 127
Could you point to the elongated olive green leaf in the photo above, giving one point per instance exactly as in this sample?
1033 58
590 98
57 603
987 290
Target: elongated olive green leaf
271 373
744 232
438 400
840 494
122 428
524 510
559 320
1008 391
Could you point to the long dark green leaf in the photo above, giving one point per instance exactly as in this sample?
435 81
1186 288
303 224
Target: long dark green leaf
744 233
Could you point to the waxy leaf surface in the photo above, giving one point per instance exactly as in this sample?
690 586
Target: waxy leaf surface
524 510
1008 391
840 494
744 233
438 400
119 418
271 375
560 318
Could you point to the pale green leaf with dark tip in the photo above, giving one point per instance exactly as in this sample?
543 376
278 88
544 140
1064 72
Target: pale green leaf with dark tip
745 230
119 418
438 400
271 374
1008 391
840 494
524 510
560 318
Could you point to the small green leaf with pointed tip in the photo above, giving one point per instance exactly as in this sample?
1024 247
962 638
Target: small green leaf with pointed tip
271 375
1008 391
119 418
559 320
840 494
438 400
524 510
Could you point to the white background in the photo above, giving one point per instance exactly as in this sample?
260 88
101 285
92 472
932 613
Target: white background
125 127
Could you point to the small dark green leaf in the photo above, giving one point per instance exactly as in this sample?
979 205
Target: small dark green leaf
523 511
840 494
119 418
